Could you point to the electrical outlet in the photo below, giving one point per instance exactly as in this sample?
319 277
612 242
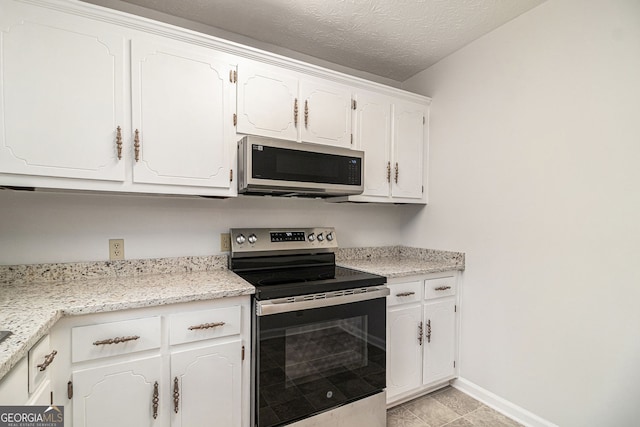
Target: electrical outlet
116 249
225 242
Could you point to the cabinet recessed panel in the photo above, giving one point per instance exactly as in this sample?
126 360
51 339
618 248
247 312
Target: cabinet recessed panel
374 137
61 99
208 382
119 395
404 364
267 104
181 112
326 116
439 345
408 159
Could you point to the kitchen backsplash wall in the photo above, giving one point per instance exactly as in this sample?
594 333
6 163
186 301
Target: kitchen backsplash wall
45 227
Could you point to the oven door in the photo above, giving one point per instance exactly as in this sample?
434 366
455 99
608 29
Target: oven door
312 355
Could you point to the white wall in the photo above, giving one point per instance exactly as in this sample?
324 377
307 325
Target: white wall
535 174
72 227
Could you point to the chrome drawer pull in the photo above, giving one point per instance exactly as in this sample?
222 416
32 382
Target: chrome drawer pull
116 340
206 326
442 288
47 360
405 294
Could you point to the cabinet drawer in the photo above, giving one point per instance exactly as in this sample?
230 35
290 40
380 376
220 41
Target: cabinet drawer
403 293
440 287
205 324
41 360
115 338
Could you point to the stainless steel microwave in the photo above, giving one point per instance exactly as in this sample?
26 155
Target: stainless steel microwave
285 168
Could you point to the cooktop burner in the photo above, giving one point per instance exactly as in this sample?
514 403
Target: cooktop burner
290 262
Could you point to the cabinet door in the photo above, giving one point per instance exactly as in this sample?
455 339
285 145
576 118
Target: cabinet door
268 103
408 158
373 136
13 386
120 395
326 114
439 344
61 94
404 355
181 109
207 383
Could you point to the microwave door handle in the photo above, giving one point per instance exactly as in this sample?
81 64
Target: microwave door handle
285 305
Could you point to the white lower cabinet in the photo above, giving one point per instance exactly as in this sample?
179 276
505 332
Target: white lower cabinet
182 366
421 335
28 383
120 394
13 386
439 342
205 387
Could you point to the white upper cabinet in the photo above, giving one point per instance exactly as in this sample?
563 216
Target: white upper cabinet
326 113
61 95
409 120
98 100
373 136
278 103
391 132
267 103
182 117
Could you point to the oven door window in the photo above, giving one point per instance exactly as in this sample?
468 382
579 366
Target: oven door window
312 360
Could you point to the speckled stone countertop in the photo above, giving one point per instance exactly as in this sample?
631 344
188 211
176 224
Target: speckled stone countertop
34 297
400 261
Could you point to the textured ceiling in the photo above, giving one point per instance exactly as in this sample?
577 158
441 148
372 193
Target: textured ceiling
390 38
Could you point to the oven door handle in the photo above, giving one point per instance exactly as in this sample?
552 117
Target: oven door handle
305 302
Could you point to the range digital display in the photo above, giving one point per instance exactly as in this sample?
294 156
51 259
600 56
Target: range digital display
287 236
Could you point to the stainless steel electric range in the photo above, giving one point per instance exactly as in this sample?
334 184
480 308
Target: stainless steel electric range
318 331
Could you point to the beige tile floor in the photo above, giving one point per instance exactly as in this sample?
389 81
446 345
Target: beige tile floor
446 407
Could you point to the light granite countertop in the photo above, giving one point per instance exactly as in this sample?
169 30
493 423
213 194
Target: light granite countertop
400 261
34 297
31 304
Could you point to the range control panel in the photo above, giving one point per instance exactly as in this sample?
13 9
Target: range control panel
273 240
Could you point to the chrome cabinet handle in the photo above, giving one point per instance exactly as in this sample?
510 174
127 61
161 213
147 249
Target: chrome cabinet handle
429 330
306 113
295 112
405 294
136 144
396 172
116 340
119 142
176 395
206 326
420 333
155 400
47 361
388 171
442 288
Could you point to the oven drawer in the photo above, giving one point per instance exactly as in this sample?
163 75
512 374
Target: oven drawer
114 338
203 325
440 287
404 293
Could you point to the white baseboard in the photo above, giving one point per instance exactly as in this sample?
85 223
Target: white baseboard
501 405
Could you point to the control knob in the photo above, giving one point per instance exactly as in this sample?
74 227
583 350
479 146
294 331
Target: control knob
320 237
240 239
311 237
252 238
330 236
